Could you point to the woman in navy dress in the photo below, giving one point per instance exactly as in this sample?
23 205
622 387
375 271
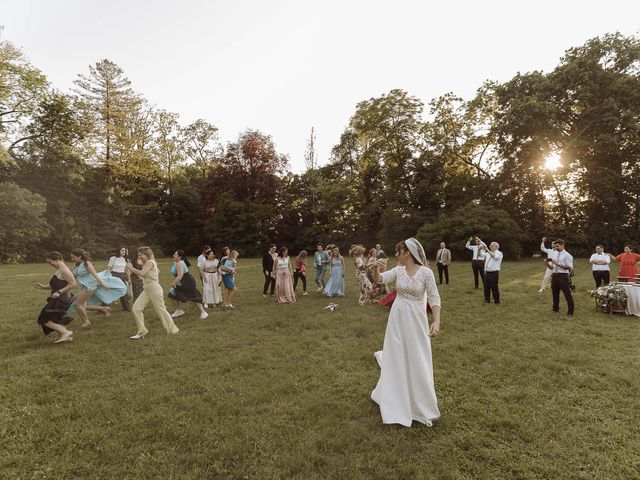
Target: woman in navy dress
53 316
183 289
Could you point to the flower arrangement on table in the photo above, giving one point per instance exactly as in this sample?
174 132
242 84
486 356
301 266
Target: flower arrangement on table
610 298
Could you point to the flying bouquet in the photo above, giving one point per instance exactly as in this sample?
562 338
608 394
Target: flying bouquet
331 306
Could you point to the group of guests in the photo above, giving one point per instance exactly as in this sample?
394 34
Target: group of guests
136 278
370 290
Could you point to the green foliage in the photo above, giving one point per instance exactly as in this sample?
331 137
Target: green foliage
488 223
22 223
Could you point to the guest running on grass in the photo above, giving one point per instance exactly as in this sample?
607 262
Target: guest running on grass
600 266
211 293
492 263
477 261
300 273
547 274
335 285
152 292
117 267
183 288
228 272
200 261
320 263
378 289
53 316
267 269
628 263
443 259
95 288
284 278
561 262
406 390
366 287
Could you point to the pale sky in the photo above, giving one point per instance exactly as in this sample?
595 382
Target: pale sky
285 66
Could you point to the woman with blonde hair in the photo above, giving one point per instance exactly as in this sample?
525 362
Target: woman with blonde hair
335 285
357 253
152 292
228 273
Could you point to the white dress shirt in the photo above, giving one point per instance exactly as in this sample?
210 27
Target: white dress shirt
563 258
600 257
546 250
493 264
474 249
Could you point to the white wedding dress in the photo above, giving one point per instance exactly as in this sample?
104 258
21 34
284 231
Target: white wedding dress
405 390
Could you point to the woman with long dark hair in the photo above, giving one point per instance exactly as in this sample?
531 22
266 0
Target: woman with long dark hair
284 284
183 289
95 288
53 316
117 266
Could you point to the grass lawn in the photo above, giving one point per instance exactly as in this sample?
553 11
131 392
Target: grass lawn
282 391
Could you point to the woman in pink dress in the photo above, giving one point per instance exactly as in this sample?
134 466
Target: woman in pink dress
628 263
284 278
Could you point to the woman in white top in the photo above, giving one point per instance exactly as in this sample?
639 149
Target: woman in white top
117 266
284 278
152 292
405 390
211 293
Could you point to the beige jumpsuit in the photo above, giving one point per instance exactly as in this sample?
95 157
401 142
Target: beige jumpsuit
152 292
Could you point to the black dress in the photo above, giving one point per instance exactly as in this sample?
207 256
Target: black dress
186 290
56 308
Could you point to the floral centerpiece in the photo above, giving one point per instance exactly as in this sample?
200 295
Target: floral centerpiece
610 297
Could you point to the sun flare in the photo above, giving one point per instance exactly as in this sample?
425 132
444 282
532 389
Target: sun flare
552 162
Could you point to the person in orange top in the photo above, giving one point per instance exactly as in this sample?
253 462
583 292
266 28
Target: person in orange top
628 263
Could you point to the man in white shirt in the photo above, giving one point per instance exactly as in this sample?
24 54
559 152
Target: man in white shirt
492 264
600 266
477 261
561 262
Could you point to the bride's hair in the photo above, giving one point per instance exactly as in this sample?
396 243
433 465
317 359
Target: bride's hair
402 246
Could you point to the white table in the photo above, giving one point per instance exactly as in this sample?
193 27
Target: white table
633 302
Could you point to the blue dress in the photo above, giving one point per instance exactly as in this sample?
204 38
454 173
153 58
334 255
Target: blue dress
335 285
117 288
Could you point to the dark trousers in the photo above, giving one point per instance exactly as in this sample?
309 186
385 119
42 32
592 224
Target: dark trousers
297 274
560 281
478 269
443 268
269 280
491 286
124 300
601 277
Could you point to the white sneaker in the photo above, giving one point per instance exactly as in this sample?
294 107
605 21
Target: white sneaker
206 305
541 291
305 293
203 315
231 307
178 312
319 289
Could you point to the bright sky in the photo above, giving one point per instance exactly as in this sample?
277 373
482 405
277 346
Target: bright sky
285 66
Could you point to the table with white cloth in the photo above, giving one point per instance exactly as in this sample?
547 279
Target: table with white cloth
633 300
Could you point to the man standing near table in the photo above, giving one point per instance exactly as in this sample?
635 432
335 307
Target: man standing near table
561 262
600 266
443 259
477 261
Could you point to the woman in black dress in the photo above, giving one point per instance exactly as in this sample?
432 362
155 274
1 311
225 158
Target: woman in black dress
183 289
53 316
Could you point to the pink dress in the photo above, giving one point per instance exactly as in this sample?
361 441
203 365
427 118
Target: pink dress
284 285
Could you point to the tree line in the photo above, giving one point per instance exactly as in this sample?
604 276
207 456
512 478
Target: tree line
100 166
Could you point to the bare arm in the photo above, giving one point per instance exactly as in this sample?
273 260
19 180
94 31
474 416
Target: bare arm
179 274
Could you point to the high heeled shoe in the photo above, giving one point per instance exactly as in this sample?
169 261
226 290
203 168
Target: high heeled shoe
138 336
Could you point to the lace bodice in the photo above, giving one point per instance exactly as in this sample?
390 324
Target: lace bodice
283 263
414 289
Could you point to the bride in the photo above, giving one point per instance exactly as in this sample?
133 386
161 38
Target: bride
405 390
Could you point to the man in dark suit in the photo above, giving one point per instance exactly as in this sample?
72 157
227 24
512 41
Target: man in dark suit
443 259
267 270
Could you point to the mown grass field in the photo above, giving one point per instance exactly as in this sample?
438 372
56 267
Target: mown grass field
282 391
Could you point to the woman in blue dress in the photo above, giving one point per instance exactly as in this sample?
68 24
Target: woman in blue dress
95 288
183 289
335 285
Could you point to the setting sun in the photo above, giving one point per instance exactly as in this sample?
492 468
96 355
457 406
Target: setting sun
552 162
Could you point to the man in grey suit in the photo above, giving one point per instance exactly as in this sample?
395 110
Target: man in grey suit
443 259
